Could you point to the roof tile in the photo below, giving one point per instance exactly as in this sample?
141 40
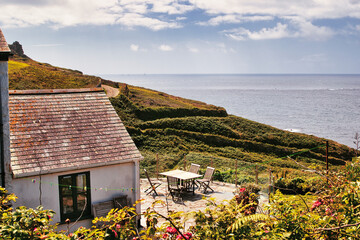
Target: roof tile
3 44
56 131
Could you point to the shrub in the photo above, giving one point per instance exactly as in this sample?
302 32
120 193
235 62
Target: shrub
147 114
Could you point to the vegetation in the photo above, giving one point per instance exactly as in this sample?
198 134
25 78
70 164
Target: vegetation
333 213
208 136
180 131
25 73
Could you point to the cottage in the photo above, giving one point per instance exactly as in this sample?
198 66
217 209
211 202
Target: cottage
68 151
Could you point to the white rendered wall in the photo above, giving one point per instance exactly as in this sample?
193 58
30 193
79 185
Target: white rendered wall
120 177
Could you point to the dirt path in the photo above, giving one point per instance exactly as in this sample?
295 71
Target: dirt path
110 91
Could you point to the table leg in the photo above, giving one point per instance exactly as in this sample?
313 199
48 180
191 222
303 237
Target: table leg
193 185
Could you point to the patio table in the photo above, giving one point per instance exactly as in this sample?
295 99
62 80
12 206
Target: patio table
183 175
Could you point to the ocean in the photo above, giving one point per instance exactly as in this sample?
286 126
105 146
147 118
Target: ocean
321 105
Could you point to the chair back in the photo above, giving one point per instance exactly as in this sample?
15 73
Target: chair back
209 173
172 182
147 176
194 168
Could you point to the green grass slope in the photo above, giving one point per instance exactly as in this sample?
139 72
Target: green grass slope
25 73
177 130
162 125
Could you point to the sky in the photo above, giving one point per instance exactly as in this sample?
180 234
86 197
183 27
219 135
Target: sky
188 36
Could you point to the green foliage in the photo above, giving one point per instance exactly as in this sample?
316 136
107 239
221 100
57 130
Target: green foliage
29 74
192 124
335 214
16 66
176 132
23 223
150 98
229 220
147 114
178 128
298 185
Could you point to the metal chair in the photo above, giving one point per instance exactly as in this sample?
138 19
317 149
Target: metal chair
153 185
205 182
174 188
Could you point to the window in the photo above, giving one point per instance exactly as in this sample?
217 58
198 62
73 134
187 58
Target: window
75 199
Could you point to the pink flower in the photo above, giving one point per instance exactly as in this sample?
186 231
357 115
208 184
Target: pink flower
242 189
328 211
171 230
115 233
35 229
186 235
118 226
316 204
49 217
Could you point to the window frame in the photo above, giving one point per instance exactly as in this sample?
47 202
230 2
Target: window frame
74 192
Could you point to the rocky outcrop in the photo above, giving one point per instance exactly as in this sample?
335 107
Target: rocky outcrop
16 48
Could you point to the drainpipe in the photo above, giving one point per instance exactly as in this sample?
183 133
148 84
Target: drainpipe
2 162
137 189
4 104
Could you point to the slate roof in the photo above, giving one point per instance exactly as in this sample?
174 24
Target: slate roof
61 130
3 44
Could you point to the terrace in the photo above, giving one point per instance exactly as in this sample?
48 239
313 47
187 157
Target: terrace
222 192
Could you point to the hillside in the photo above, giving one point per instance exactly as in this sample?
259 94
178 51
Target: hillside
178 129
25 73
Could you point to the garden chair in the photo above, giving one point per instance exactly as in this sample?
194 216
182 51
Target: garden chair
174 188
205 182
153 185
194 168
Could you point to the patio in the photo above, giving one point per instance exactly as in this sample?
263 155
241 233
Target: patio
222 191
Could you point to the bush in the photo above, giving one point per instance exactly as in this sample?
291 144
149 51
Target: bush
147 114
298 185
335 214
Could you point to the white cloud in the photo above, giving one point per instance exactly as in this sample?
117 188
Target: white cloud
193 50
296 28
137 20
158 14
165 48
233 18
170 7
134 47
280 31
181 18
219 47
308 9
307 30
64 13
